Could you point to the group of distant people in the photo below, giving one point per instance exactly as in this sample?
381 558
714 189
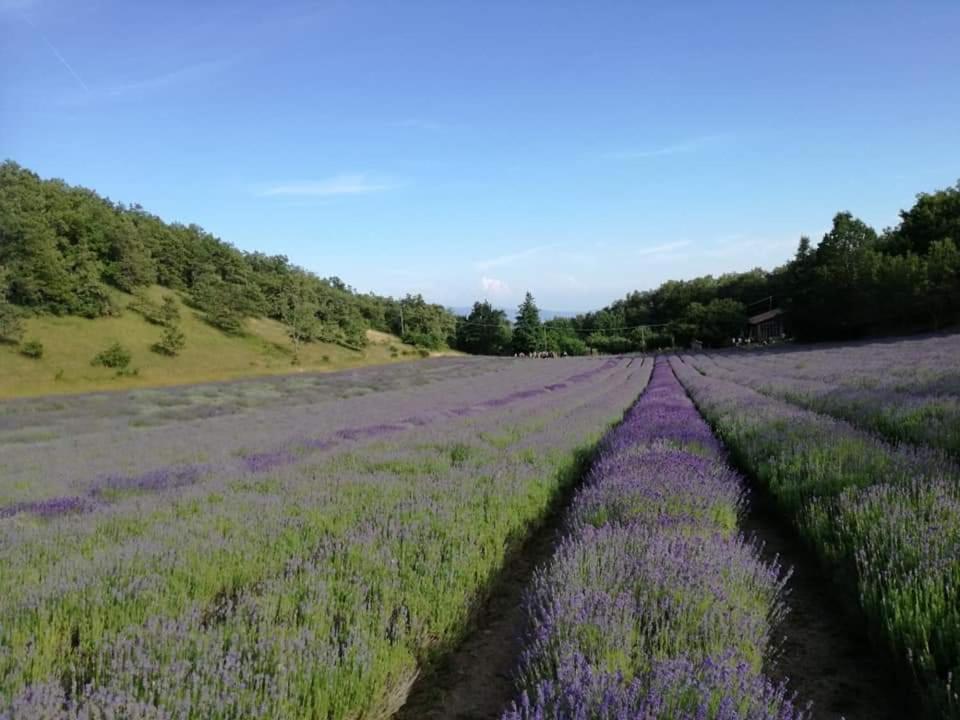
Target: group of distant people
746 342
540 354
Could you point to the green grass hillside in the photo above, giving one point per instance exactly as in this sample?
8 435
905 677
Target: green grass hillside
70 343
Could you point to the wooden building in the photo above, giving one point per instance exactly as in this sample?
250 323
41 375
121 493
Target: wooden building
766 326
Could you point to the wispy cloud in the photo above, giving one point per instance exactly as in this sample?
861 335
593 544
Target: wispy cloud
660 249
348 184
510 258
755 248
179 76
494 287
687 146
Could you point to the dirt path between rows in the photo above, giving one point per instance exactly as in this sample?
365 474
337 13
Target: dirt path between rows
825 653
475 682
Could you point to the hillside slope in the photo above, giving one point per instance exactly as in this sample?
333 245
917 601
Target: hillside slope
71 342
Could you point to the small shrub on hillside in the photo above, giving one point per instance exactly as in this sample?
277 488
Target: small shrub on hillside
423 352
146 307
11 325
169 313
165 314
32 349
116 356
171 343
226 319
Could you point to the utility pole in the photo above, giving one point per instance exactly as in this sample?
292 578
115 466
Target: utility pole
403 330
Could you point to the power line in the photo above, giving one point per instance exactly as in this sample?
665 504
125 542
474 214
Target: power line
477 323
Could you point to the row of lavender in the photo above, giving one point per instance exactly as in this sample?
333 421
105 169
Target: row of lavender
907 390
89 493
85 450
885 517
654 606
309 588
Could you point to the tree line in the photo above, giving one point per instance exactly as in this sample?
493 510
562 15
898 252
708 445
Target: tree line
855 282
64 248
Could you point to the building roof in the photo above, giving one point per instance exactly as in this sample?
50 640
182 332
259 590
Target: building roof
764 316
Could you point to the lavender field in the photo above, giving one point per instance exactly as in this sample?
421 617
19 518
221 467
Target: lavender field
858 447
319 546
277 548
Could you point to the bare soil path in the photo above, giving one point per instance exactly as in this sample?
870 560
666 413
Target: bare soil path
475 682
825 653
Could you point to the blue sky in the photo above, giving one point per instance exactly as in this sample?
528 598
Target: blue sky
471 149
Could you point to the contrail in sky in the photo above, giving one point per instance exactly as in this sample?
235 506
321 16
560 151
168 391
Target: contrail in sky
61 58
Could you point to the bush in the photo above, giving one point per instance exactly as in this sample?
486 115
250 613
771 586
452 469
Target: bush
423 352
171 343
116 356
166 314
11 325
225 319
144 306
169 313
32 349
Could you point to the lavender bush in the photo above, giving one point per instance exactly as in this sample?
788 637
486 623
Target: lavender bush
654 606
885 516
906 390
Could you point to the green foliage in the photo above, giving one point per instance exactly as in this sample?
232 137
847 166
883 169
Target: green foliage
714 323
11 324
169 312
423 324
302 323
116 356
560 336
485 331
64 245
171 342
151 311
226 318
853 283
933 218
527 335
32 349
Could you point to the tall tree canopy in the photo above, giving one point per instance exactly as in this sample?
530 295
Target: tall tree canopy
485 331
527 335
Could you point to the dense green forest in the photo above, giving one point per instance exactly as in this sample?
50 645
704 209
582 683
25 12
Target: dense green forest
62 247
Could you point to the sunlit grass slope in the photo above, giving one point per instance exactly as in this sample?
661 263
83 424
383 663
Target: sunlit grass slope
70 343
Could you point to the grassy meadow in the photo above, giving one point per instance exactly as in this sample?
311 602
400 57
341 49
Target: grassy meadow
70 343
